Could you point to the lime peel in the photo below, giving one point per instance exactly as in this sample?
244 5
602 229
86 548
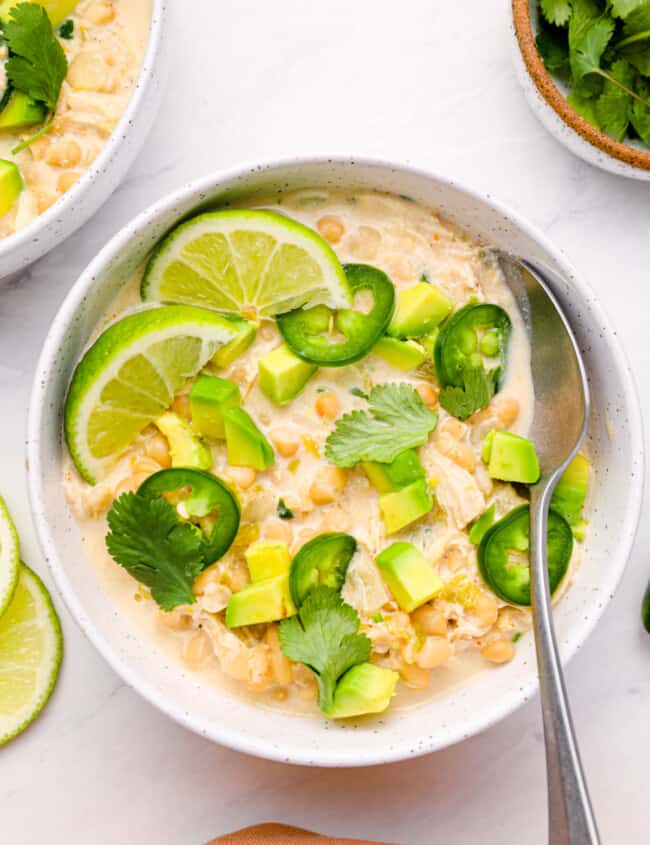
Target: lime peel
9 557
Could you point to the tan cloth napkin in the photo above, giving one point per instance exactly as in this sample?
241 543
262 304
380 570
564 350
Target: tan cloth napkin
280 834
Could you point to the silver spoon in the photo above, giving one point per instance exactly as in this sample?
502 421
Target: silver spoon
560 421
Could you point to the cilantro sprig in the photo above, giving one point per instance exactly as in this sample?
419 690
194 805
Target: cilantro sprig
325 637
37 64
478 389
602 50
149 540
397 419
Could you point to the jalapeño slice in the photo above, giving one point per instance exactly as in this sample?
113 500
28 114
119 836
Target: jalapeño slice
503 554
205 498
322 560
308 331
473 332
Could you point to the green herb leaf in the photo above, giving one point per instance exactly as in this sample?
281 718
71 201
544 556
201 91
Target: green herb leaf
622 8
556 11
614 106
553 47
283 511
324 637
37 65
397 420
585 107
588 48
356 391
635 44
66 30
640 114
516 636
149 540
479 388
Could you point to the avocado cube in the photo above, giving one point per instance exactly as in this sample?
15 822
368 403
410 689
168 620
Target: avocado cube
428 342
187 449
363 689
267 559
570 493
409 576
419 310
209 398
263 601
21 111
404 470
282 375
11 184
510 457
404 506
402 354
237 346
245 444
57 10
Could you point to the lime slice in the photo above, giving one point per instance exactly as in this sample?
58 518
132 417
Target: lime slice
249 262
128 378
9 557
30 654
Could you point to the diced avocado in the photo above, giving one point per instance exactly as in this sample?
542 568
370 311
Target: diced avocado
420 309
510 457
57 10
404 470
402 354
245 444
282 375
263 601
363 689
428 342
480 527
209 398
570 494
409 576
11 184
187 449
266 559
237 346
405 506
21 111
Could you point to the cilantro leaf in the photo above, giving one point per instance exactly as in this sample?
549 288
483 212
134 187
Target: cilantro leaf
149 540
588 47
397 420
283 511
479 388
640 114
585 107
614 106
622 8
37 64
324 637
556 11
635 44
553 47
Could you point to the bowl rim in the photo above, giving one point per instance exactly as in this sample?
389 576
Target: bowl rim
38 409
549 91
65 203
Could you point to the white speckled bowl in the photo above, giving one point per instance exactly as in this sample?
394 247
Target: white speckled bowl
99 181
615 443
547 98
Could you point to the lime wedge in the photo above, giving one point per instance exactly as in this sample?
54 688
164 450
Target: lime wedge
249 262
128 378
9 557
30 654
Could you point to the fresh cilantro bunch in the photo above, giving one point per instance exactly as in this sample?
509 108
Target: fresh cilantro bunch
325 637
397 419
37 64
149 540
601 49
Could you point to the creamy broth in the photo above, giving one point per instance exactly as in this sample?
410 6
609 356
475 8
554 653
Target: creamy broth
104 58
406 240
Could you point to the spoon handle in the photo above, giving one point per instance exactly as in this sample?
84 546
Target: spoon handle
570 816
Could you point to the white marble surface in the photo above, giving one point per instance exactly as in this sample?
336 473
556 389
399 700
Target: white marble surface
430 84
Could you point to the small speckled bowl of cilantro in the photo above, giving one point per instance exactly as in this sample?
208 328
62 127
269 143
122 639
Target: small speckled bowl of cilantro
584 66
